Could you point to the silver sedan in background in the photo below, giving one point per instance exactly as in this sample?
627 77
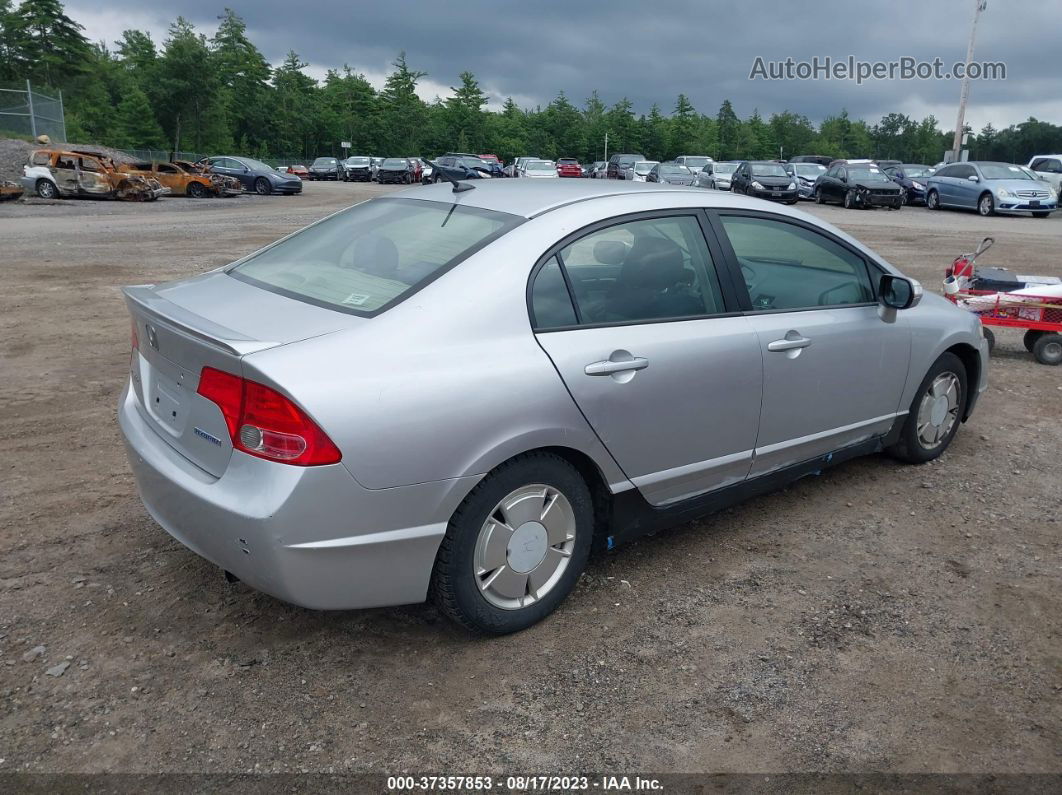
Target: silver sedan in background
456 393
715 176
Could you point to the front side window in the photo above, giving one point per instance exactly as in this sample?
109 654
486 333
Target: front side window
370 256
642 271
786 266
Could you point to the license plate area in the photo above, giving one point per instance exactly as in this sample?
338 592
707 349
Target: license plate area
166 394
1034 203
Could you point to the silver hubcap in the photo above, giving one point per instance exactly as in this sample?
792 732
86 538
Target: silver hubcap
524 546
986 206
939 410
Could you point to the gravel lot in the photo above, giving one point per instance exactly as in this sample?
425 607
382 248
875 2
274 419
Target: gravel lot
877 618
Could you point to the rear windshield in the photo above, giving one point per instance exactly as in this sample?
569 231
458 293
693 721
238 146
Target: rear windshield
644 167
369 257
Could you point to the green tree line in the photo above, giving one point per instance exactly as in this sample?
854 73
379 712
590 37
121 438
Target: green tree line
220 94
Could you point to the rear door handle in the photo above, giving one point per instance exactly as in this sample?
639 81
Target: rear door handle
608 366
788 344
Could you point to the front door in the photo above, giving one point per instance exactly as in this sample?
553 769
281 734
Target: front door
665 371
834 361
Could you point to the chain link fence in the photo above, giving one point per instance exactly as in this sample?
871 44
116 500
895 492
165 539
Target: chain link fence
31 113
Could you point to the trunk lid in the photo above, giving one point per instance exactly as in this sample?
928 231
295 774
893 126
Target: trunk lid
208 321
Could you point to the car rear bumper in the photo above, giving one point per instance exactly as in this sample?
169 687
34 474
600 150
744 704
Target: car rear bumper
311 536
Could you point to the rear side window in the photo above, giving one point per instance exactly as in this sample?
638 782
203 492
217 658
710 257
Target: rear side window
788 267
550 301
636 272
365 259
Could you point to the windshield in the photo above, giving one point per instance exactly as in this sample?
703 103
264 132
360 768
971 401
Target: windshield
1003 171
917 171
473 162
867 175
644 167
724 168
395 162
325 161
768 170
368 257
357 161
539 165
697 162
254 165
808 169
675 170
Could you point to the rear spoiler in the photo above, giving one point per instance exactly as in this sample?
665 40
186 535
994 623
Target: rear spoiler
143 298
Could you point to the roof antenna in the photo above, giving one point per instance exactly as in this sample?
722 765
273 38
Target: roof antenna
459 187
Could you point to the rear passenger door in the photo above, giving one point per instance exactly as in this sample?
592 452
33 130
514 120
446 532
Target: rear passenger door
643 328
834 361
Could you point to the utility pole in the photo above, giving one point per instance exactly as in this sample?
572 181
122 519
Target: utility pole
956 145
606 147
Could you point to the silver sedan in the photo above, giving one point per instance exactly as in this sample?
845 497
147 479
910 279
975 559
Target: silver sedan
457 392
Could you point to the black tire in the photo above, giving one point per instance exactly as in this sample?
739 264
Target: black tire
990 338
909 448
46 189
1041 214
262 186
455 589
933 200
903 197
196 190
849 199
819 198
1048 349
986 205
1030 338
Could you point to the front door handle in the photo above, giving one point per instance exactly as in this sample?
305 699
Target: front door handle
788 344
610 367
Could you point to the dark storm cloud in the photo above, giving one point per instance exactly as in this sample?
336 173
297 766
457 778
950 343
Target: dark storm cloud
650 52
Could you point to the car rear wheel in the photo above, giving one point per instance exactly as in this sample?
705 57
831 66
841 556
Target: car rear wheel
985 205
935 412
933 200
196 190
262 186
515 547
1048 349
46 189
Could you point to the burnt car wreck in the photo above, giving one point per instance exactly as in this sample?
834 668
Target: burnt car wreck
56 173
183 179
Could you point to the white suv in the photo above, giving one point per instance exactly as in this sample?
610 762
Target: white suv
1049 169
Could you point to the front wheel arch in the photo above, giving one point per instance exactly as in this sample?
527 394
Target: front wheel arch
971 361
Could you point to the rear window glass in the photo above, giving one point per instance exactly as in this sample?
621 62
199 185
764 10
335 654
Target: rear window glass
369 257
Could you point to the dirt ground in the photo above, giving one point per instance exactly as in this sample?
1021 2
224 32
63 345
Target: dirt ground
877 618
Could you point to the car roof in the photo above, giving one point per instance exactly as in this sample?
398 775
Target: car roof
533 197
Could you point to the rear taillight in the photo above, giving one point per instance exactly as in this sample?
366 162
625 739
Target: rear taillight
264 423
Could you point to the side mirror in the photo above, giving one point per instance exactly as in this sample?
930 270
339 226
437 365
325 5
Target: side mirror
974 178
899 292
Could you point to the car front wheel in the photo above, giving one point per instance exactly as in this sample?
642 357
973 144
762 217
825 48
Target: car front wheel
935 412
515 547
849 199
262 186
985 206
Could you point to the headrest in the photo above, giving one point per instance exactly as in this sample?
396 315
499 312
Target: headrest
654 263
377 255
610 252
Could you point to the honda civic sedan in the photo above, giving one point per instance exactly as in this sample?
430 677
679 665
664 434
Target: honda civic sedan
458 392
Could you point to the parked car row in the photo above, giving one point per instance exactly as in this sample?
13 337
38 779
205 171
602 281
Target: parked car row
987 187
58 173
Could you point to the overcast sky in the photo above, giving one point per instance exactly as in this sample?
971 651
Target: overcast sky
650 52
